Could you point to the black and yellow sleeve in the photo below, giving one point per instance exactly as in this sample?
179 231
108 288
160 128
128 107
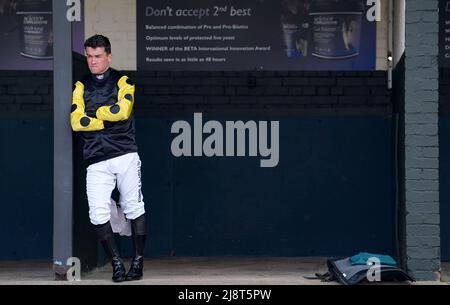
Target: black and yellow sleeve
121 110
78 118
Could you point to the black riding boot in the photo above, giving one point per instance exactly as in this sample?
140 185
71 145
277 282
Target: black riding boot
106 237
137 264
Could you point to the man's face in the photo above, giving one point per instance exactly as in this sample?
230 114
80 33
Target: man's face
98 60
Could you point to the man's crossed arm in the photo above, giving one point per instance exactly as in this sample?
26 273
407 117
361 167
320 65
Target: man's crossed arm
120 111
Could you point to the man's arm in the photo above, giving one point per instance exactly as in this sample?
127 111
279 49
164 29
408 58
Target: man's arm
121 110
78 119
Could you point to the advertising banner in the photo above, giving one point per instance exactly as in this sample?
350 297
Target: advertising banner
26 34
255 35
444 33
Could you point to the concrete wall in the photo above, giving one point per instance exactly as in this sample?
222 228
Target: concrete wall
444 160
382 36
29 94
399 30
331 115
422 139
301 93
26 94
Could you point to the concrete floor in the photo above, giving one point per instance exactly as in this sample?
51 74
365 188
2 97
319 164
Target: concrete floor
187 271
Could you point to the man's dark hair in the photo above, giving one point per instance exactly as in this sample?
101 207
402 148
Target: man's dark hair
98 41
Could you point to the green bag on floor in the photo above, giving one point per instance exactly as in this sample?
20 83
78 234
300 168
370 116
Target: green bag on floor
342 271
363 257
